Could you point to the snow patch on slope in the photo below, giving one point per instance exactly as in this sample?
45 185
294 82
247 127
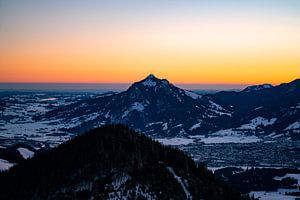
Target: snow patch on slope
135 106
215 106
153 123
258 121
121 180
5 165
149 83
182 183
295 125
217 109
26 153
165 126
195 126
191 94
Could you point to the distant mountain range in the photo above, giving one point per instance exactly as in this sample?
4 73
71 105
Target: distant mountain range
160 109
112 162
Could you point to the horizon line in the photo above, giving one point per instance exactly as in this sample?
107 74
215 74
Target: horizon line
126 83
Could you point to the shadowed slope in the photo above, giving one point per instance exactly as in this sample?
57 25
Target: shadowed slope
111 162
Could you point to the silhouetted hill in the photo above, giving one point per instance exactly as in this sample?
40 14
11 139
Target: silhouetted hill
111 162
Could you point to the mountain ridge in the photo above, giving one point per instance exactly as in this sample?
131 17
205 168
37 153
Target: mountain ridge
158 108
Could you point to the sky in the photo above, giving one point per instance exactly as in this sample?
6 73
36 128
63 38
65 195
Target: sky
122 41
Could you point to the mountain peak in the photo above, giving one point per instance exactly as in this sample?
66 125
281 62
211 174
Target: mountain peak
152 81
151 76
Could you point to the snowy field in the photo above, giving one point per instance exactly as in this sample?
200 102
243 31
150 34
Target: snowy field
175 141
17 110
236 135
278 195
208 140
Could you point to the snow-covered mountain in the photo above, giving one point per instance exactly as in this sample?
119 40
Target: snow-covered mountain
153 106
158 108
275 109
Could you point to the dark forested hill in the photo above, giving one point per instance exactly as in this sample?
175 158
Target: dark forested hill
111 162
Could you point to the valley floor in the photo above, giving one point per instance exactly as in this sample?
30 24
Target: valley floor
17 127
279 153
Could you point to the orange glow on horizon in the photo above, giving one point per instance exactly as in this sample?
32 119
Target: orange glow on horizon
185 51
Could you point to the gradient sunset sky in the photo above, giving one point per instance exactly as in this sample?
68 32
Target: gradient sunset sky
121 41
